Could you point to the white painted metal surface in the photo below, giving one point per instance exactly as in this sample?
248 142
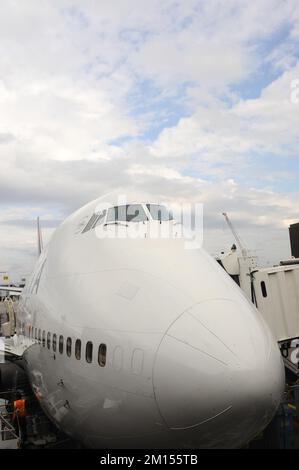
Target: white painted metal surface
190 362
276 291
279 303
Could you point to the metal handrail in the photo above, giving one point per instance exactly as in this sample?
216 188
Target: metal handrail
9 428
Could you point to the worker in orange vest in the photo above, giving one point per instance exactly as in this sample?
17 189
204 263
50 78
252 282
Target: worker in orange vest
19 416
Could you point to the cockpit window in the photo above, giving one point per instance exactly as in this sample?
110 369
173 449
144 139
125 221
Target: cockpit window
100 219
90 223
128 213
95 220
159 212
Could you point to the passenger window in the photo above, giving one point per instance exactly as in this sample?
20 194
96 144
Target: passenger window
61 344
44 338
264 289
39 336
54 342
78 349
88 353
48 340
102 355
69 347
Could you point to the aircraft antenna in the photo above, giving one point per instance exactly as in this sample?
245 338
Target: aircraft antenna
40 244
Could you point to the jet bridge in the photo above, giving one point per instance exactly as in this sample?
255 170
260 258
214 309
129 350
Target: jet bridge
275 292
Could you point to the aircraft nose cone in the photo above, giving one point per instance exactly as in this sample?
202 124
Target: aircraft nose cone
218 373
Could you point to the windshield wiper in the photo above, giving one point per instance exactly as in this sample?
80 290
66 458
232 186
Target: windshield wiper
116 222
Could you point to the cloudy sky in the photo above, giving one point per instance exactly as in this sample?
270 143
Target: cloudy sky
189 100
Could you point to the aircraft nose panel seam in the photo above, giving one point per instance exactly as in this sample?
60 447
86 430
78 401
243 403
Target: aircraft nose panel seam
198 378
205 420
197 349
212 333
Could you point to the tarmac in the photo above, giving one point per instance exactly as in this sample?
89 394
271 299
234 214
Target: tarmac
11 444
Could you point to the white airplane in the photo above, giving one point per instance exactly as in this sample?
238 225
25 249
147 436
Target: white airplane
138 342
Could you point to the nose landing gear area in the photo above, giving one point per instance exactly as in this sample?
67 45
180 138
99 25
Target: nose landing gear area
34 431
23 424
281 433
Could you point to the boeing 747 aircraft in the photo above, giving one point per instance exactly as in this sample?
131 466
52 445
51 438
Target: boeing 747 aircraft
135 341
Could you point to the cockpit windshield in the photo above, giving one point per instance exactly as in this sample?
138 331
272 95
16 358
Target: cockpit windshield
160 213
128 213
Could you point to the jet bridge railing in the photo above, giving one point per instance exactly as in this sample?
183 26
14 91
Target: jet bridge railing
7 310
8 431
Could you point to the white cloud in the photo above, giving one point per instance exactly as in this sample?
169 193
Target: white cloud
222 133
76 117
